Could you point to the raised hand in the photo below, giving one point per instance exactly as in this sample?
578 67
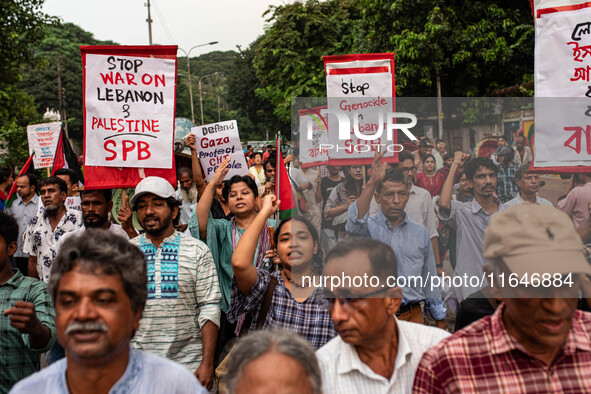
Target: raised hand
220 173
190 142
270 204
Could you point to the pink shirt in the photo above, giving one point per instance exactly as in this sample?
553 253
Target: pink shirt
577 203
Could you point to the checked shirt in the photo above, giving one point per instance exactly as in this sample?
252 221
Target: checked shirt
309 319
485 358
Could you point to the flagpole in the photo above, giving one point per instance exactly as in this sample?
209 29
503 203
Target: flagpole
277 177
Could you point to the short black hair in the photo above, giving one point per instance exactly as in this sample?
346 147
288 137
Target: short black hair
447 156
237 179
271 160
404 155
381 256
248 146
53 180
255 154
8 228
524 169
107 193
70 173
5 173
395 175
32 179
474 165
184 170
428 156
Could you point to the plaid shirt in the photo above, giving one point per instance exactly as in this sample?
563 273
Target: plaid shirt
17 358
485 357
309 319
506 186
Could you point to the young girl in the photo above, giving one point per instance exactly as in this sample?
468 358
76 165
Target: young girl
342 196
428 179
298 253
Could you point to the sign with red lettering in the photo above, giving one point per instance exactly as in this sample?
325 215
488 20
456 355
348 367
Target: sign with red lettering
313 133
43 140
562 84
362 88
215 142
129 106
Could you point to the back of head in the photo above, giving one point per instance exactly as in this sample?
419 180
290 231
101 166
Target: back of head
8 228
404 155
259 343
381 256
5 173
100 251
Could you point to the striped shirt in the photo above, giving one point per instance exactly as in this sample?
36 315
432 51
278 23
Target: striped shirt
343 372
183 294
485 358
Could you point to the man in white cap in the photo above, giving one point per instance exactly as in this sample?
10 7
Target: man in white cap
182 314
536 341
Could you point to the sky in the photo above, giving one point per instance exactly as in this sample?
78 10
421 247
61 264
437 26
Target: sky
185 23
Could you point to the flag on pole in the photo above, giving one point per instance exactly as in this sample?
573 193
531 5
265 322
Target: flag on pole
12 193
287 207
65 157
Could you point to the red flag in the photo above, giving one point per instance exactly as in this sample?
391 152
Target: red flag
287 207
12 193
65 157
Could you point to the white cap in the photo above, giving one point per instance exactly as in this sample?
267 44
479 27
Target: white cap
155 185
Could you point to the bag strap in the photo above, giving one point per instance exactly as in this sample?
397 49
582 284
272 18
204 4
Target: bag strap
265 305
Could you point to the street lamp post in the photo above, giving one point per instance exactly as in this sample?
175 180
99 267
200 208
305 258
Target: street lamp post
201 96
189 77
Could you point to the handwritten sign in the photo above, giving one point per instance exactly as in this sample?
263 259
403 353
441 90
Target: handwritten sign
43 140
563 88
129 103
217 141
362 86
312 147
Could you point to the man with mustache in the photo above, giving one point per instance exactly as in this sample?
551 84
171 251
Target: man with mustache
536 341
46 229
469 219
182 314
96 205
99 286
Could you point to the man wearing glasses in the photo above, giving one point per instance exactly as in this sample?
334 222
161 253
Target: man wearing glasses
374 352
529 185
410 240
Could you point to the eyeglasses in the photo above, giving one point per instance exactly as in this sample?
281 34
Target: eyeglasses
350 302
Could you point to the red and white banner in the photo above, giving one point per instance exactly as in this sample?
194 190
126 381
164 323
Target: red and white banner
43 140
362 86
562 85
129 110
313 132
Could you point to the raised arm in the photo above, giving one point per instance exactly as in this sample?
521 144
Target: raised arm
195 166
244 272
378 172
204 204
444 202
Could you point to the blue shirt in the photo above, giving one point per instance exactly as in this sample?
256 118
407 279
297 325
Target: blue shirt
145 373
414 254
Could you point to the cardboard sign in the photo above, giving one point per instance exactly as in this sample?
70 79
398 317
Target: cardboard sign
562 84
312 142
363 87
129 104
43 140
217 141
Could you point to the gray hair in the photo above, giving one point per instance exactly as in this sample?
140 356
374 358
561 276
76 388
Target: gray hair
100 250
276 340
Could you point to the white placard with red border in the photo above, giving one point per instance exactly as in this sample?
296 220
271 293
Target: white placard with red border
157 62
562 80
215 142
43 139
312 141
364 84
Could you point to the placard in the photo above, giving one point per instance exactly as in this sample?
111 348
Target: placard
215 142
562 84
43 139
312 142
129 104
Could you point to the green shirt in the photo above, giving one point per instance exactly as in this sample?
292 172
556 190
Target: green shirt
17 358
219 241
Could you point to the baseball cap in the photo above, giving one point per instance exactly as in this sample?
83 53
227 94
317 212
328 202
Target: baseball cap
155 185
533 238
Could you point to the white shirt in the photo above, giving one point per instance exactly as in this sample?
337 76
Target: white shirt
343 372
518 200
527 156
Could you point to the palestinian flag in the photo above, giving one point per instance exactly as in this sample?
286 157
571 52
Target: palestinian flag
287 207
65 157
12 193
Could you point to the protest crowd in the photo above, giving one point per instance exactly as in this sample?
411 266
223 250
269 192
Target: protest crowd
213 291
